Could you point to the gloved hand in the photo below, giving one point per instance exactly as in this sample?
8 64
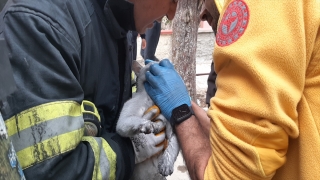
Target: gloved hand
147 145
147 61
166 88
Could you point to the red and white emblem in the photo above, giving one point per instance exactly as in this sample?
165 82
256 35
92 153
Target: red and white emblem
233 23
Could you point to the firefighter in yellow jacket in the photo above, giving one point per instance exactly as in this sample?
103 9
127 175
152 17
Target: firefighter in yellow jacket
264 120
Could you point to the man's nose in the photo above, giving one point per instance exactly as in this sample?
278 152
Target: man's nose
172 11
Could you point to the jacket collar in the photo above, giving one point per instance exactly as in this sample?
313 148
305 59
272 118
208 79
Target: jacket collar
119 15
220 4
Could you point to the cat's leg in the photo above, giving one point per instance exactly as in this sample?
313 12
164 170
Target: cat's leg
170 154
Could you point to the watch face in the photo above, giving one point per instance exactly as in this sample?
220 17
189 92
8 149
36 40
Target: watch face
182 110
181 113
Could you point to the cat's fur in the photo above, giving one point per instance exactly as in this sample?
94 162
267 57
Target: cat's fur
132 121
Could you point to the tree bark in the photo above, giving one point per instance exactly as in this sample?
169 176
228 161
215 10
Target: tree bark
184 42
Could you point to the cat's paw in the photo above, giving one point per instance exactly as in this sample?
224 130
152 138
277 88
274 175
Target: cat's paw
166 164
155 126
147 127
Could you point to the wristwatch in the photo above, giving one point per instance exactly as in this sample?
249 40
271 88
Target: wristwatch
180 114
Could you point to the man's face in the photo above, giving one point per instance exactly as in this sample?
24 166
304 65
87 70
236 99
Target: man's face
210 13
147 11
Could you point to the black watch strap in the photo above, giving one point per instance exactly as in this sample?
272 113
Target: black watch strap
180 114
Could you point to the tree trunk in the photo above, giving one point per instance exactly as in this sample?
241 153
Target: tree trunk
184 42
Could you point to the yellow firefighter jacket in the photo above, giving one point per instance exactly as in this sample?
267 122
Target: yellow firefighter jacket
265 116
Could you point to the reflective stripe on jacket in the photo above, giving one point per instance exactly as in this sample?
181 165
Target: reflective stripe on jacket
56 128
67 51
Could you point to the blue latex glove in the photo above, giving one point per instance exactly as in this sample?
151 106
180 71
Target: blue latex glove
166 88
147 61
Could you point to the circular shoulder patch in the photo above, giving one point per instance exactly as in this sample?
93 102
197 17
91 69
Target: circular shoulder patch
233 23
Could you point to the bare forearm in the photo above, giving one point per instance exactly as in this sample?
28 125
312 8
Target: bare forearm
195 147
202 117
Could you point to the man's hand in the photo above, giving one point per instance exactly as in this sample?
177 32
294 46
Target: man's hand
143 43
147 145
166 88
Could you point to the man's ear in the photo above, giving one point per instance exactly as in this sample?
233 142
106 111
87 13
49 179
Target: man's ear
172 10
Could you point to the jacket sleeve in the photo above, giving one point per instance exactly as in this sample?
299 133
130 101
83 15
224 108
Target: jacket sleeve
212 88
46 123
260 83
143 36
